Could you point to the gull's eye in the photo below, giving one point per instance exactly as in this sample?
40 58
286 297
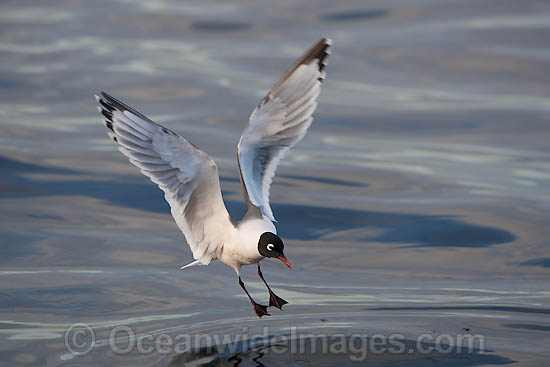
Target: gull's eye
270 247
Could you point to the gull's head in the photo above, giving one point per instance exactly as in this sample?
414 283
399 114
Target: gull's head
271 245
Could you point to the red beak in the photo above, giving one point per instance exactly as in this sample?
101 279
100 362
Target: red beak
285 261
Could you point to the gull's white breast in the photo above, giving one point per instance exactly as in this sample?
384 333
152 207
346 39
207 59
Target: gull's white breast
242 247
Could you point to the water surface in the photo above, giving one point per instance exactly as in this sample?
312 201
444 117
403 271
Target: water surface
417 203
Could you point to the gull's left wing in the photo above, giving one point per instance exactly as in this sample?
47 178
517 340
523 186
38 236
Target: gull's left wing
186 174
277 124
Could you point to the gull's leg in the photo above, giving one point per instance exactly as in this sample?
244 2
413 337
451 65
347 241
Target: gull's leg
274 300
260 310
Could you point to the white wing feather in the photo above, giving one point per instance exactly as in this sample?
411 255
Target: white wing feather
187 175
277 124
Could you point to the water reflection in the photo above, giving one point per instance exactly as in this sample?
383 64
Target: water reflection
213 26
534 327
543 262
527 310
353 15
346 351
413 229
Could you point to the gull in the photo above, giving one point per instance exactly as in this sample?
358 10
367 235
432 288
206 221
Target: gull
189 177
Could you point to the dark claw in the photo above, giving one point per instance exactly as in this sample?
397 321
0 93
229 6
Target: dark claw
260 310
276 301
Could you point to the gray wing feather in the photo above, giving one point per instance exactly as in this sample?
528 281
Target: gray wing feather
277 124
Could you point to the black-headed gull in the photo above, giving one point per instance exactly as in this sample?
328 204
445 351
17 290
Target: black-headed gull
189 177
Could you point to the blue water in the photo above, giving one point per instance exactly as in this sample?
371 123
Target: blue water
417 203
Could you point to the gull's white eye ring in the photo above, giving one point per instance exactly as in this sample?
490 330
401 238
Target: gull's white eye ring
270 247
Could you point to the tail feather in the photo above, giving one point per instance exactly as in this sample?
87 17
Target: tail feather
196 262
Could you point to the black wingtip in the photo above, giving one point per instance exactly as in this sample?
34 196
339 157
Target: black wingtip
113 102
109 125
106 111
108 115
119 105
321 51
318 51
106 106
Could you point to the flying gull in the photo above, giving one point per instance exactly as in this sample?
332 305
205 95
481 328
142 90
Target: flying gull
189 177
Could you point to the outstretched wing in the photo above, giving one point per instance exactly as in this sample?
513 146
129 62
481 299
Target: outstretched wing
277 124
186 174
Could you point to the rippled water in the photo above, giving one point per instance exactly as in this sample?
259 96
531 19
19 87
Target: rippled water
418 202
